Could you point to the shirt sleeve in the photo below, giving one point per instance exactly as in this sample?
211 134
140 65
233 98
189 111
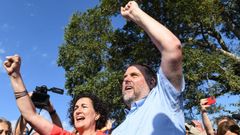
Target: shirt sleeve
167 85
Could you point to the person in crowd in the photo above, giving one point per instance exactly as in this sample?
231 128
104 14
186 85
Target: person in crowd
206 121
228 128
154 101
21 125
108 127
5 127
87 113
194 127
224 118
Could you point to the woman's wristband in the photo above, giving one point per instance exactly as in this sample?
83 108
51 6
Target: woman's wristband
52 112
20 94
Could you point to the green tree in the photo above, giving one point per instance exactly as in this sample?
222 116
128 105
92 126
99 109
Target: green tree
94 54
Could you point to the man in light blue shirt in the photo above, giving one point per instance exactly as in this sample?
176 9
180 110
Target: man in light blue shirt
154 100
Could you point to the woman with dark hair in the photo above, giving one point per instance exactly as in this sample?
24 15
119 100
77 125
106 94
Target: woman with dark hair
90 101
87 113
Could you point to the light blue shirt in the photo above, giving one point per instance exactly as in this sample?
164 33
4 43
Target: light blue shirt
160 113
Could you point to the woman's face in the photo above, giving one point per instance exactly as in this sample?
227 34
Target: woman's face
84 114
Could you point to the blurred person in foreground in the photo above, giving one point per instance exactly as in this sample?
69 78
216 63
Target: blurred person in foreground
194 127
87 113
5 127
154 100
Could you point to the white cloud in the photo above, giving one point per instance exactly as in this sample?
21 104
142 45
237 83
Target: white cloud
2 51
32 14
35 48
54 63
28 4
1 67
5 27
31 7
44 55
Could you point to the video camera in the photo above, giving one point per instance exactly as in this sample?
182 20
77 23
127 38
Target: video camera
40 97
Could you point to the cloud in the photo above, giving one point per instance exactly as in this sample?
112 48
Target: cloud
54 63
32 14
44 55
5 27
28 4
1 66
2 51
35 48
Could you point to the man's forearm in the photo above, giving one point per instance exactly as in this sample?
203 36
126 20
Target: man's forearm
163 38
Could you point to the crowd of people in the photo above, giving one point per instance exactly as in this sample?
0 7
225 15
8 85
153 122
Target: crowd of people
154 100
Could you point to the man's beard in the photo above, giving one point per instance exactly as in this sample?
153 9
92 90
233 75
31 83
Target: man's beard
129 99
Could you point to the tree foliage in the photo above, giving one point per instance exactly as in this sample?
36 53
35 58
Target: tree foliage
94 55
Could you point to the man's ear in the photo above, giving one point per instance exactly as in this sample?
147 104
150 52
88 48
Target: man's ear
152 83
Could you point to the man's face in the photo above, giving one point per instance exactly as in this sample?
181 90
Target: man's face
134 86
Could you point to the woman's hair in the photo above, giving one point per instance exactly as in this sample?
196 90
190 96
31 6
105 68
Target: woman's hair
3 120
99 107
223 117
229 125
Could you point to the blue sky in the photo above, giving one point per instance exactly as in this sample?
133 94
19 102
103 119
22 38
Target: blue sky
34 29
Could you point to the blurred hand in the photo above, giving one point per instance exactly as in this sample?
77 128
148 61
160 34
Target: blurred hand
203 104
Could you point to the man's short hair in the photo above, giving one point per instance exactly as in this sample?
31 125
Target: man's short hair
148 71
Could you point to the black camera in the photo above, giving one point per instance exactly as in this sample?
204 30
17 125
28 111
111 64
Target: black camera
40 97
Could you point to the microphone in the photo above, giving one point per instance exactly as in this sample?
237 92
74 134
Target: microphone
57 90
236 116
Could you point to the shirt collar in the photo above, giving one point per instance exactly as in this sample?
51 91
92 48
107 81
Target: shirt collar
135 106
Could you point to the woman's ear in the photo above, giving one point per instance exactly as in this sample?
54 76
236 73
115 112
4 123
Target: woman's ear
97 117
